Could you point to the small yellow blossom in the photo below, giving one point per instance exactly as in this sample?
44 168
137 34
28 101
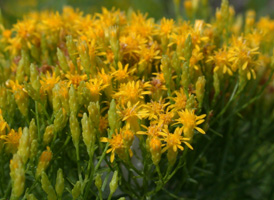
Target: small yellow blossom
190 122
174 140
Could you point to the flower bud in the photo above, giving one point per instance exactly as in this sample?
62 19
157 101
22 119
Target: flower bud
113 118
94 113
73 104
56 101
98 181
22 101
74 129
155 147
72 50
84 57
17 175
43 163
200 90
187 51
47 187
113 183
32 130
191 103
32 92
88 133
24 146
185 77
76 191
48 135
62 60
59 185
34 78
33 148
23 67
60 120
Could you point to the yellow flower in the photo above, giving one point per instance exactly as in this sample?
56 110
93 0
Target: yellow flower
75 79
116 145
48 81
132 91
106 77
155 108
190 122
122 74
148 53
243 57
129 44
221 61
131 111
12 139
174 141
140 25
151 131
95 86
196 56
166 118
166 27
179 100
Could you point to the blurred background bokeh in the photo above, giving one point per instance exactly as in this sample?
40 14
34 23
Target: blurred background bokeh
12 10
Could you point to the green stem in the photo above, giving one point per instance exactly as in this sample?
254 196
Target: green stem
109 196
78 163
37 121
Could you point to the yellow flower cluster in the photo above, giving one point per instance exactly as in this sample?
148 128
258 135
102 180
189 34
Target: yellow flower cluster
116 77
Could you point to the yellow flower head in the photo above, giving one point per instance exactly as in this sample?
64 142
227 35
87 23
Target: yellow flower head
179 100
75 79
48 81
12 139
166 26
196 56
148 53
116 144
243 57
190 122
151 131
140 25
132 91
155 108
174 141
221 61
130 111
129 45
122 74
95 86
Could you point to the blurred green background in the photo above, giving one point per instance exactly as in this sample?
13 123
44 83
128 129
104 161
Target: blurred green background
12 10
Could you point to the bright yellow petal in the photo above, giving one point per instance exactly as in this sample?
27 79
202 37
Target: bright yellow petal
189 146
201 117
112 156
200 122
200 130
174 148
103 139
109 150
244 65
180 147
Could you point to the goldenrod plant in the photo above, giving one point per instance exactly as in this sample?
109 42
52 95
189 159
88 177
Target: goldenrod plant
116 105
